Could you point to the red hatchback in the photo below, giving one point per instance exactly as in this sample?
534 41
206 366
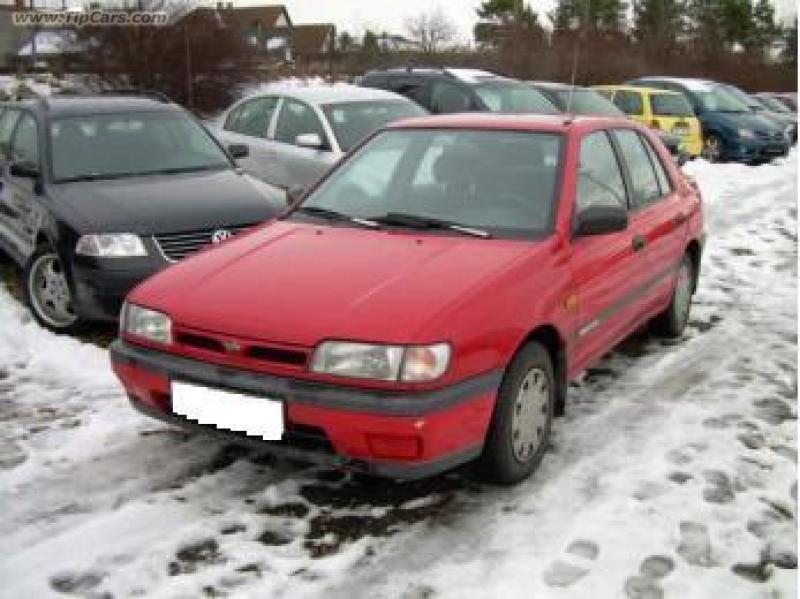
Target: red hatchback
426 303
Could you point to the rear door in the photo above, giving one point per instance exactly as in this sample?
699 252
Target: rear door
8 121
251 123
608 270
297 165
22 212
657 213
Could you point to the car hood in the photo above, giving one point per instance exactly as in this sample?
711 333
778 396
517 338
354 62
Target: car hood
745 120
298 284
168 203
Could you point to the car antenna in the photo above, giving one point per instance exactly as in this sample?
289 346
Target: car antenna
575 52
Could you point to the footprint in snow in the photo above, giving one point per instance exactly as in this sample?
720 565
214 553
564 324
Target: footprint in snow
646 585
695 544
720 489
76 582
563 573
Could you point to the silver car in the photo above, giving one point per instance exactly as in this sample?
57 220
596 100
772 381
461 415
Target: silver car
295 135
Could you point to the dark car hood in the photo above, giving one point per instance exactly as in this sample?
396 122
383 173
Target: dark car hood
743 120
168 203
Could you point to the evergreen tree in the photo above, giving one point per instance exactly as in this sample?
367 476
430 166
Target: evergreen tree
499 19
764 29
659 23
589 14
789 53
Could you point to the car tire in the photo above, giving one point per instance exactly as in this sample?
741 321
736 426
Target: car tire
48 293
672 322
713 148
519 431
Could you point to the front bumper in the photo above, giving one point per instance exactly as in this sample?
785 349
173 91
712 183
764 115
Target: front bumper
101 285
756 150
396 435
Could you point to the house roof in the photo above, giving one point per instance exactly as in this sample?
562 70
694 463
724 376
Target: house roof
247 17
313 39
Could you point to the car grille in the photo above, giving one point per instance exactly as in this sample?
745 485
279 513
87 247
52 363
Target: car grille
176 246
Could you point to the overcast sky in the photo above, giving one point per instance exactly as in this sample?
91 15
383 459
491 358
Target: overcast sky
390 15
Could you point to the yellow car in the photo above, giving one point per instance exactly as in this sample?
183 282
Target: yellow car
660 109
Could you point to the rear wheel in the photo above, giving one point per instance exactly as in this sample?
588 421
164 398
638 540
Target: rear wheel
713 149
672 321
523 416
48 293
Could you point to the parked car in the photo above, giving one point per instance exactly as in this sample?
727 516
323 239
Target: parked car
443 91
297 134
97 193
658 109
783 120
427 302
583 100
730 130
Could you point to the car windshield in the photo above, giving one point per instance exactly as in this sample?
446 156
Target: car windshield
588 102
107 146
718 99
501 183
670 105
353 121
509 96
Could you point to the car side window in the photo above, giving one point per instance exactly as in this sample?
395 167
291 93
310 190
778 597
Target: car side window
417 90
600 181
664 183
7 123
629 102
25 143
297 118
252 117
645 187
447 97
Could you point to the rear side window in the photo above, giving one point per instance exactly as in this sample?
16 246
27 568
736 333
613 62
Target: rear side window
628 102
600 181
252 117
670 105
25 143
7 122
664 183
447 98
645 187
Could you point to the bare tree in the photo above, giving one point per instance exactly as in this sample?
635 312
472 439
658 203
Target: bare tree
431 30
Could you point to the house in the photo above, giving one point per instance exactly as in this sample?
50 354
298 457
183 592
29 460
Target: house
314 45
267 29
397 43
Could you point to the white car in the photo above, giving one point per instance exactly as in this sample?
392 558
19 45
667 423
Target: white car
294 135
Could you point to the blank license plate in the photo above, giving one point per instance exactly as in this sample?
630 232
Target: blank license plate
681 130
254 416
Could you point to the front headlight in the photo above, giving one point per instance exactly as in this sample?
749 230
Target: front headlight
111 245
746 133
382 362
145 323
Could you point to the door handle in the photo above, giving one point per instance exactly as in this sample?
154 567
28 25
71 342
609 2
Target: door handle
679 218
638 243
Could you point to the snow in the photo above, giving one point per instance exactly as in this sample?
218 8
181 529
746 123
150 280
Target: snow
673 473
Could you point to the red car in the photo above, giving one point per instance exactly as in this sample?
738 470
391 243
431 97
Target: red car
427 302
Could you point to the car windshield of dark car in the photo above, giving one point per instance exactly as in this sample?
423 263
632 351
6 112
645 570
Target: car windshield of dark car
509 96
107 146
502 183
773 105
670 105
587 102
718 99
353 121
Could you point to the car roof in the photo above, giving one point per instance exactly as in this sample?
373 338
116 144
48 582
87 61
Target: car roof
690 83
326 94
550 123
469 76
558 86
637 88
57 106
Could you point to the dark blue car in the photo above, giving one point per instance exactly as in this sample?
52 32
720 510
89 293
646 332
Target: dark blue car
731 131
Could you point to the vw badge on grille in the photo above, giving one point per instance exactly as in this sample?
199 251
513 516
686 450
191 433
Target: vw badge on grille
220 235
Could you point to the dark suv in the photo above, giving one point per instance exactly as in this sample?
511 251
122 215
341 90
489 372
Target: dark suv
444 91
97 193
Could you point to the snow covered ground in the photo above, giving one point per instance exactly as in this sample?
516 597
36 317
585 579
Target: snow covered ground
673 474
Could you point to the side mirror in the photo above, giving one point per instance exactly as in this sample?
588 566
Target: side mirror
601 220
309 140
238 151
24 169
294 194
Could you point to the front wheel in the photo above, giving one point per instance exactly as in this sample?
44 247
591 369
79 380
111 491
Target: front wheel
672 321
522 419
47 291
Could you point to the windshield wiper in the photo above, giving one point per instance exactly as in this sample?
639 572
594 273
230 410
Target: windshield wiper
337 216
413 221
186 169
95 177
